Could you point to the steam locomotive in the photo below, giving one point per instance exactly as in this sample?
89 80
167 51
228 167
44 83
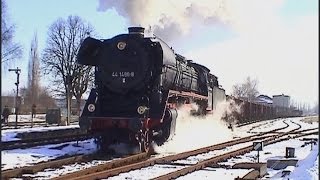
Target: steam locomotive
139 84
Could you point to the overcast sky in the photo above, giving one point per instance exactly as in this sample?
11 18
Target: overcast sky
274 41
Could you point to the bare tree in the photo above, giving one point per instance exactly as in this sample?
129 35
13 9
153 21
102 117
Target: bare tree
59 57
45 100
247 90
9 50
33 73
316 108
82 80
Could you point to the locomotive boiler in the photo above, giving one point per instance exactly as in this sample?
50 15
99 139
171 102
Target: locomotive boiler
139 84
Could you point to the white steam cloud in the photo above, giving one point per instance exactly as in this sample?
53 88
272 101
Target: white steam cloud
195 132
231 108
169 18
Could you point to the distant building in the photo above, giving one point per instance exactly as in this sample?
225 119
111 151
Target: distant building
281 100
264 99
62 104
10 101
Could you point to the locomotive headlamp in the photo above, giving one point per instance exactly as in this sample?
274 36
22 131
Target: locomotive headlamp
142 109
121 45
91 107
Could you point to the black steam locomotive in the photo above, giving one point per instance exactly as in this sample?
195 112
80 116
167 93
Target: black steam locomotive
139 83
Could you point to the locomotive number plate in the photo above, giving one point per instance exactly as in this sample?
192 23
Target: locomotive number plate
122 74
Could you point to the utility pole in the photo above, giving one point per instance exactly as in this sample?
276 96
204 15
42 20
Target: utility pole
17 71
68 99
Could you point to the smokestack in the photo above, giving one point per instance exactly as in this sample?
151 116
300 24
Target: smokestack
136 30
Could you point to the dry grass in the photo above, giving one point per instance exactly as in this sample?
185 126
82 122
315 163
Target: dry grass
311 119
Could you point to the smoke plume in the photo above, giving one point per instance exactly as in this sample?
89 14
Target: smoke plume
168 18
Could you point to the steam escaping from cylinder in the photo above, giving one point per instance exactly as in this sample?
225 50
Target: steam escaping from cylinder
168 18
195 131
227 111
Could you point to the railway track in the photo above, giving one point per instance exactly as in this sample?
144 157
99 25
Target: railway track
31 142
21 125
18 172
214 160
257 121
251 130
105 171
190 167
139 161
48 133
116 163
93 174
11 125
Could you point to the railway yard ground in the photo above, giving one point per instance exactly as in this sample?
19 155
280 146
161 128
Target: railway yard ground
25 121
311 119
222 158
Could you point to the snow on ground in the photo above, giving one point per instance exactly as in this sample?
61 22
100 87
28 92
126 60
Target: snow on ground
308 122
22 157
52 173
148 172
10 134
307 165
201 157
160 169
27 118
307 168
292 125
274 151
207 173
271 125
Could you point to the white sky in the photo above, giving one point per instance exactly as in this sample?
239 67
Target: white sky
274 41
282 53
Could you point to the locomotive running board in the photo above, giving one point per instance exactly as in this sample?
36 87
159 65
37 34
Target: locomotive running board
186 94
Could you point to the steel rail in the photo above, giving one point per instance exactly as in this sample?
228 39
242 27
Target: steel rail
7 145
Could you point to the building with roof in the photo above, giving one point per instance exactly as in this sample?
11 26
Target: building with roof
281 100
264 99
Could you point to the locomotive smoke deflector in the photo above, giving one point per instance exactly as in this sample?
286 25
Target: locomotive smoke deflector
88 51
136 30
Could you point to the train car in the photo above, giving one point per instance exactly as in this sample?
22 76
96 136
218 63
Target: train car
253 111
285 112
139 84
